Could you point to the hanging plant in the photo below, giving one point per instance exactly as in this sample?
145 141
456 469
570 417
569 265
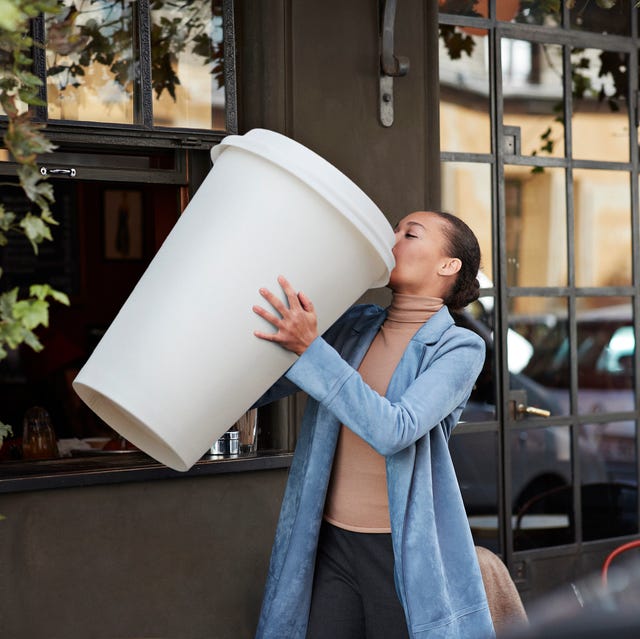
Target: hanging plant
22 312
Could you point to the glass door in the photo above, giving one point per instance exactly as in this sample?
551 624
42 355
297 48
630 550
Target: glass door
539 155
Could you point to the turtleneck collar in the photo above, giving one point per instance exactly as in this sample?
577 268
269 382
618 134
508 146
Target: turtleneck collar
412 309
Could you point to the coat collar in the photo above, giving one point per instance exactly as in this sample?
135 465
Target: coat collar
429 333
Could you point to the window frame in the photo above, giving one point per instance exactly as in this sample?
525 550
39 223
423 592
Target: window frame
142 133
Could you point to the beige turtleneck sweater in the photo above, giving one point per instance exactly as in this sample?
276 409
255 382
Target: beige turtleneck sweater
357 496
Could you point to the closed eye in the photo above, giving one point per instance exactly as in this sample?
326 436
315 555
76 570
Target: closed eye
411 235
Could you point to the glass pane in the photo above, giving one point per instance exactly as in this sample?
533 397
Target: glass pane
540 12
478 8
475 458
601 17
466 192
533 95
609 480
603 234
187 64
606 351
536 226
90 64
541 477
538 352
479 318
464 91
600 117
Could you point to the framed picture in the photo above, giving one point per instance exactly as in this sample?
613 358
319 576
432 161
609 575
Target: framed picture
123 232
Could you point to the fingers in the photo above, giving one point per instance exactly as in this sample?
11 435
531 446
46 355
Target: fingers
294 320
292 296
265 314
274 300
305 302
293 299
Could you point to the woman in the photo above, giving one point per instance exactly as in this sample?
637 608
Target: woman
373 540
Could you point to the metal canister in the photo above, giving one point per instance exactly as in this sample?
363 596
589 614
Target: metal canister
228 444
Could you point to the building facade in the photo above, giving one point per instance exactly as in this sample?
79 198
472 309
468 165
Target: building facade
520 117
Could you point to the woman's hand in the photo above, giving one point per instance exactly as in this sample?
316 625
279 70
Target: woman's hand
297 325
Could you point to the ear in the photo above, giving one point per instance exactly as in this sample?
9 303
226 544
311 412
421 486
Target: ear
450 267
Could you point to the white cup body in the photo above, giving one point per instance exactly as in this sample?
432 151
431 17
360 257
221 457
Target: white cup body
180 364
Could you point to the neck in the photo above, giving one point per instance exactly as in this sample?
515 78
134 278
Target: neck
412 309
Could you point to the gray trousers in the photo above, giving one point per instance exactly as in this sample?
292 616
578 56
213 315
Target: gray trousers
354 595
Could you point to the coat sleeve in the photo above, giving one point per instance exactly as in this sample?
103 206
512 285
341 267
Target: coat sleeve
438 391
285 386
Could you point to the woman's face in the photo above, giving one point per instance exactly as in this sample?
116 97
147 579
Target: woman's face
422 264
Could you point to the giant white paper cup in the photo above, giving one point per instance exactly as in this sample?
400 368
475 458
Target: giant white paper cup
180 364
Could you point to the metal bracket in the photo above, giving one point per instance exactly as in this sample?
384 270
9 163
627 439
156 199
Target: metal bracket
391 66
511 140
46 171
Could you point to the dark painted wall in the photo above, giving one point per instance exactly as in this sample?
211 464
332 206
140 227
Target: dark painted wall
310 70
171 559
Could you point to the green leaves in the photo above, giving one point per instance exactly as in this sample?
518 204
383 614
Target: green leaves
10 15
20 317
5 431
35 229
25 140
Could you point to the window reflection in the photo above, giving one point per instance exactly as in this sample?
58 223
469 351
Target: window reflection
541 478
603 234
466 192
475 458
601 17
464 91
93 63
609 488
187 69
89 51
606 350
538 352
536 226
609 510
539 12
479 318
533 95
600 118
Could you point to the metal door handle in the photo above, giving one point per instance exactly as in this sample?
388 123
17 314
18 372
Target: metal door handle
523 409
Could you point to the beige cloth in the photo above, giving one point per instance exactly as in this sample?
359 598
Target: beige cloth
505 604
357 496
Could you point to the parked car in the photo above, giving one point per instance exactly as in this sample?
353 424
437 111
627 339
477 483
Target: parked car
541 464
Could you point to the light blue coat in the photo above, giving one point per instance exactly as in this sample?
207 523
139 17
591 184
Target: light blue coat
436 571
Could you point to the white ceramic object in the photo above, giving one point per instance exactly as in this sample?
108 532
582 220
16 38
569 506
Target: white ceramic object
180 364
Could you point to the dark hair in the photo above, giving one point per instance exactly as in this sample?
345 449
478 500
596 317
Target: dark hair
462 244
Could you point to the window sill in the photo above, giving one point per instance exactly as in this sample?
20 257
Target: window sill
18 476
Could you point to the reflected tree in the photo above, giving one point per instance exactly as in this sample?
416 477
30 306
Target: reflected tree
86 35
595 75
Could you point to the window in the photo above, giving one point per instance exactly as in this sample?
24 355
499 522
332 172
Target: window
150 65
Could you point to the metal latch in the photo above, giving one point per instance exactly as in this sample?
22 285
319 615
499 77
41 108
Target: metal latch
391 66
45 171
